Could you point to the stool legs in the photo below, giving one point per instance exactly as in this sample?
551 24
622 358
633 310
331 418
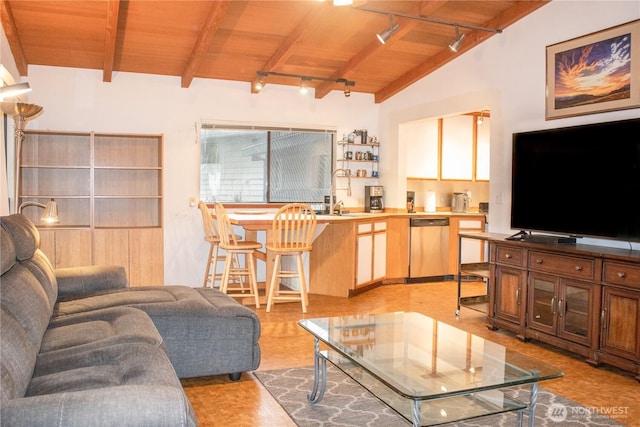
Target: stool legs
212 263
233 271
275 293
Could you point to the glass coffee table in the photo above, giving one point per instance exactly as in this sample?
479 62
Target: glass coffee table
427 371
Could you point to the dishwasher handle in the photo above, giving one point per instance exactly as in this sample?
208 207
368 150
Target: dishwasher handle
429 222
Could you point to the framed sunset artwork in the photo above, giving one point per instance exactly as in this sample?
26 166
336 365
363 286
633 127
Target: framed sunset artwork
594 73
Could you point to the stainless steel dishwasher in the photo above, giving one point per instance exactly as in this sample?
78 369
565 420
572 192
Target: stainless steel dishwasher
429 248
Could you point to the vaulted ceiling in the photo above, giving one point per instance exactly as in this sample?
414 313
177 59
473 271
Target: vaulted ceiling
234 40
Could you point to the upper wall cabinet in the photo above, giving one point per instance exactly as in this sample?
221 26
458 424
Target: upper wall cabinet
457 147
450 148
422 142
482 149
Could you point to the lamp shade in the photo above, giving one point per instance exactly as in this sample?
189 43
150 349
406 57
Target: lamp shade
14 90
50 214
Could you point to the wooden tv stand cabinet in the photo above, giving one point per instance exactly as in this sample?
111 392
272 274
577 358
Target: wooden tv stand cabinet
582 298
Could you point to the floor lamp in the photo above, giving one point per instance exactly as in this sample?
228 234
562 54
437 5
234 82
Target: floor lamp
21 113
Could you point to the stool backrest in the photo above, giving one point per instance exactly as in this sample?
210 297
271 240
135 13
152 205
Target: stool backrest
293 226
225 229
210 230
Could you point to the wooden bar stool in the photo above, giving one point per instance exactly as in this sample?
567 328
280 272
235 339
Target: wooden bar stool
210 235
292 230
235 273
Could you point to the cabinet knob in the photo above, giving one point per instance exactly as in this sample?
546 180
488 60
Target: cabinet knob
621 274
507 256
578 268
538 261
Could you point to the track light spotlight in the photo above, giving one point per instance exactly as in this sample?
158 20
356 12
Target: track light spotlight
259 85
455 45
384 35
303 86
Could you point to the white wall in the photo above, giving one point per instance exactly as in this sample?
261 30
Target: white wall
508 78
78 100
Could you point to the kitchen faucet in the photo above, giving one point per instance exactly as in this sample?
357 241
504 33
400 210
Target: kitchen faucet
334 189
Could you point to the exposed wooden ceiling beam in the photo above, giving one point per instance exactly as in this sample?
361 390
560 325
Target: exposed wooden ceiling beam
10 30
472 39
208 32
110 34
282 54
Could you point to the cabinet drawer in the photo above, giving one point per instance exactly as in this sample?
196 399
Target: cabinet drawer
582 268
618 273
510 256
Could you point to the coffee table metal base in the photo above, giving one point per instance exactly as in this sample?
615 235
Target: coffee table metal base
320 384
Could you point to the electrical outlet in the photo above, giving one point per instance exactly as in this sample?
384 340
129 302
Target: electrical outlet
192 202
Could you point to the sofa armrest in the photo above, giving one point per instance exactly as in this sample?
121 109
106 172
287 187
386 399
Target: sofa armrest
132 405
76 282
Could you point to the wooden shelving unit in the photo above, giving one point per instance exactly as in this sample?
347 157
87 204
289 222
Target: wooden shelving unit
108 188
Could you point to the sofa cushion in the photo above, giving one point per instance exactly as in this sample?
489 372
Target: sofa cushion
22 295
115 365
7 251
130 405
76 282
17 357
96 329
122 384
24 234
192 322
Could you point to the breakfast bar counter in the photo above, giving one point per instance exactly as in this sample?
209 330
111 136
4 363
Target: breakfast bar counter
356 251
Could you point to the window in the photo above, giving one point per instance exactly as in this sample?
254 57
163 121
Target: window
265 165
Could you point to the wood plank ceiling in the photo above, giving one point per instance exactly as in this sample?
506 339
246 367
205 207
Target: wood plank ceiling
233 40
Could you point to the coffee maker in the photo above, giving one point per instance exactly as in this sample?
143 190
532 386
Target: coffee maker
373 198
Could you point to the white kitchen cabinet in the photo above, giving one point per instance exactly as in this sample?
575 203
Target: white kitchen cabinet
371 261
457 147
422 137
483 147
449 148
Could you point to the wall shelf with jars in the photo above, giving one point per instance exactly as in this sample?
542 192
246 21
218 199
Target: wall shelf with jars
359 159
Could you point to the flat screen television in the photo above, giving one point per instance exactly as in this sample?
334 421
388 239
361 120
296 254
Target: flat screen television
580 181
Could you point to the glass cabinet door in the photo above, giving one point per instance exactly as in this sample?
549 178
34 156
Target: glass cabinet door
542 303
574 308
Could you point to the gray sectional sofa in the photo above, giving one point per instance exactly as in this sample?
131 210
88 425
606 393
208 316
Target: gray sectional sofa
79 347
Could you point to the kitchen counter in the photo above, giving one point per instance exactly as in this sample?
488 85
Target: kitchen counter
347 245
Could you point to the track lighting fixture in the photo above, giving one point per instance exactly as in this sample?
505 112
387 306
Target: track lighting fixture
385 35
455 45
304 81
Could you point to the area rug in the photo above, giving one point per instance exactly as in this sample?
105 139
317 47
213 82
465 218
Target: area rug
346 403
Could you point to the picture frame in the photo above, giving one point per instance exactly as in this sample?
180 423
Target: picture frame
594 73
